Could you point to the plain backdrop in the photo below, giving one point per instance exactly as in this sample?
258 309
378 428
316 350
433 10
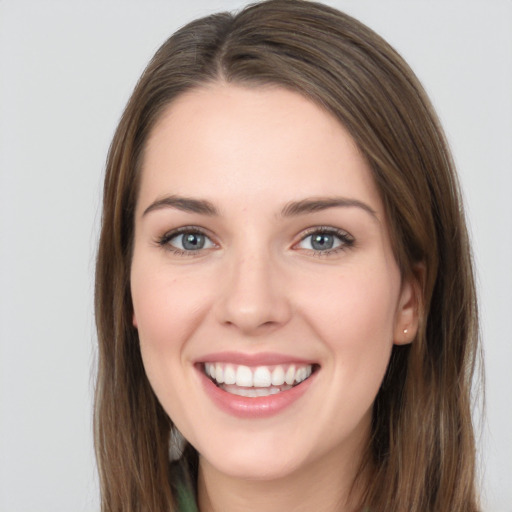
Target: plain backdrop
66 71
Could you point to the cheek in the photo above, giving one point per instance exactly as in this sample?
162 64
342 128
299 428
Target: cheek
357 304
167 310
166 307
354 316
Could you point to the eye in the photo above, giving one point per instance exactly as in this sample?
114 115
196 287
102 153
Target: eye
326 240
186 240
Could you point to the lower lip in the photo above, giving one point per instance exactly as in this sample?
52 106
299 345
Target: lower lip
254 407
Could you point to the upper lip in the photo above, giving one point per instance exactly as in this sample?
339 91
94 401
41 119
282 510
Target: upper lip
257 359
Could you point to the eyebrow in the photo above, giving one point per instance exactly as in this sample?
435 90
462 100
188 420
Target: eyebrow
319 204
291 209
186 204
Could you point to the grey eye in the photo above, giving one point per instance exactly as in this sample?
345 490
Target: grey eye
321 241
190 241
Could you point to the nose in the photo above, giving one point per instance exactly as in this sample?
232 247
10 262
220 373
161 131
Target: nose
254 295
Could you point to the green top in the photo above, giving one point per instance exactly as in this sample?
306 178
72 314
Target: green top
186 499
183 488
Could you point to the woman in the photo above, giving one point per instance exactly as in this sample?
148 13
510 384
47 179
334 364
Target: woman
283 279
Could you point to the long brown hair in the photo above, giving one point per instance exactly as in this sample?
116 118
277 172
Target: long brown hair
421 455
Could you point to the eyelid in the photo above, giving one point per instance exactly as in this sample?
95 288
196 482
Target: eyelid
163 240
347 240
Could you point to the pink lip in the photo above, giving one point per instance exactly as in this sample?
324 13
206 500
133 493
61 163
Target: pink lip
261 359
258 407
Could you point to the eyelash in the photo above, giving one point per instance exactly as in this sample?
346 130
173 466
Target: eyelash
347 241
164 240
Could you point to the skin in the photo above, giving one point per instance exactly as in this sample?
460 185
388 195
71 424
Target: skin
258 286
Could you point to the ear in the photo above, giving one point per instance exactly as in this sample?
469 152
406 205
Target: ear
409 306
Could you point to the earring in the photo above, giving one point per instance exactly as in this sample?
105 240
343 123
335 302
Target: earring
405 331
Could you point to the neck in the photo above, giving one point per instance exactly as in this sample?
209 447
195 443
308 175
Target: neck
324 485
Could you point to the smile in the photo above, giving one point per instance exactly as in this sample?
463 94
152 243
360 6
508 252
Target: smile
257 381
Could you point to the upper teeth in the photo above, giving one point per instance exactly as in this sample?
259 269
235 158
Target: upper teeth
260 376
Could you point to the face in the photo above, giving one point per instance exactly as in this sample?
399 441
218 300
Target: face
265 291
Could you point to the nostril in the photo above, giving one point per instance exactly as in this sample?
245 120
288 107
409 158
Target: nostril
251 297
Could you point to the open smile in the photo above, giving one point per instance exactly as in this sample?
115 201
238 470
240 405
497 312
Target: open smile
257 381
255 390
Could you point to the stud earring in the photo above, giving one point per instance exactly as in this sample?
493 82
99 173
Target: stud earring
405 331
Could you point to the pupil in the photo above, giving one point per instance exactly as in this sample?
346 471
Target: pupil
322 242
193 241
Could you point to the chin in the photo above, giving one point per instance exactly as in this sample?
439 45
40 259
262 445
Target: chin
253 463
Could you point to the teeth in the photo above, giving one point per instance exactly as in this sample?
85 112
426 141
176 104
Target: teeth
302 374
254 392
264 379
208 369
278 376
290 375
219 373
229 375
244 376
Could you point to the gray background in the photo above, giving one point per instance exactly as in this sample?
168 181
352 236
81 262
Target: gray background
66 70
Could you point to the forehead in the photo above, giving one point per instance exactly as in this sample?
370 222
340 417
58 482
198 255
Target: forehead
223 141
